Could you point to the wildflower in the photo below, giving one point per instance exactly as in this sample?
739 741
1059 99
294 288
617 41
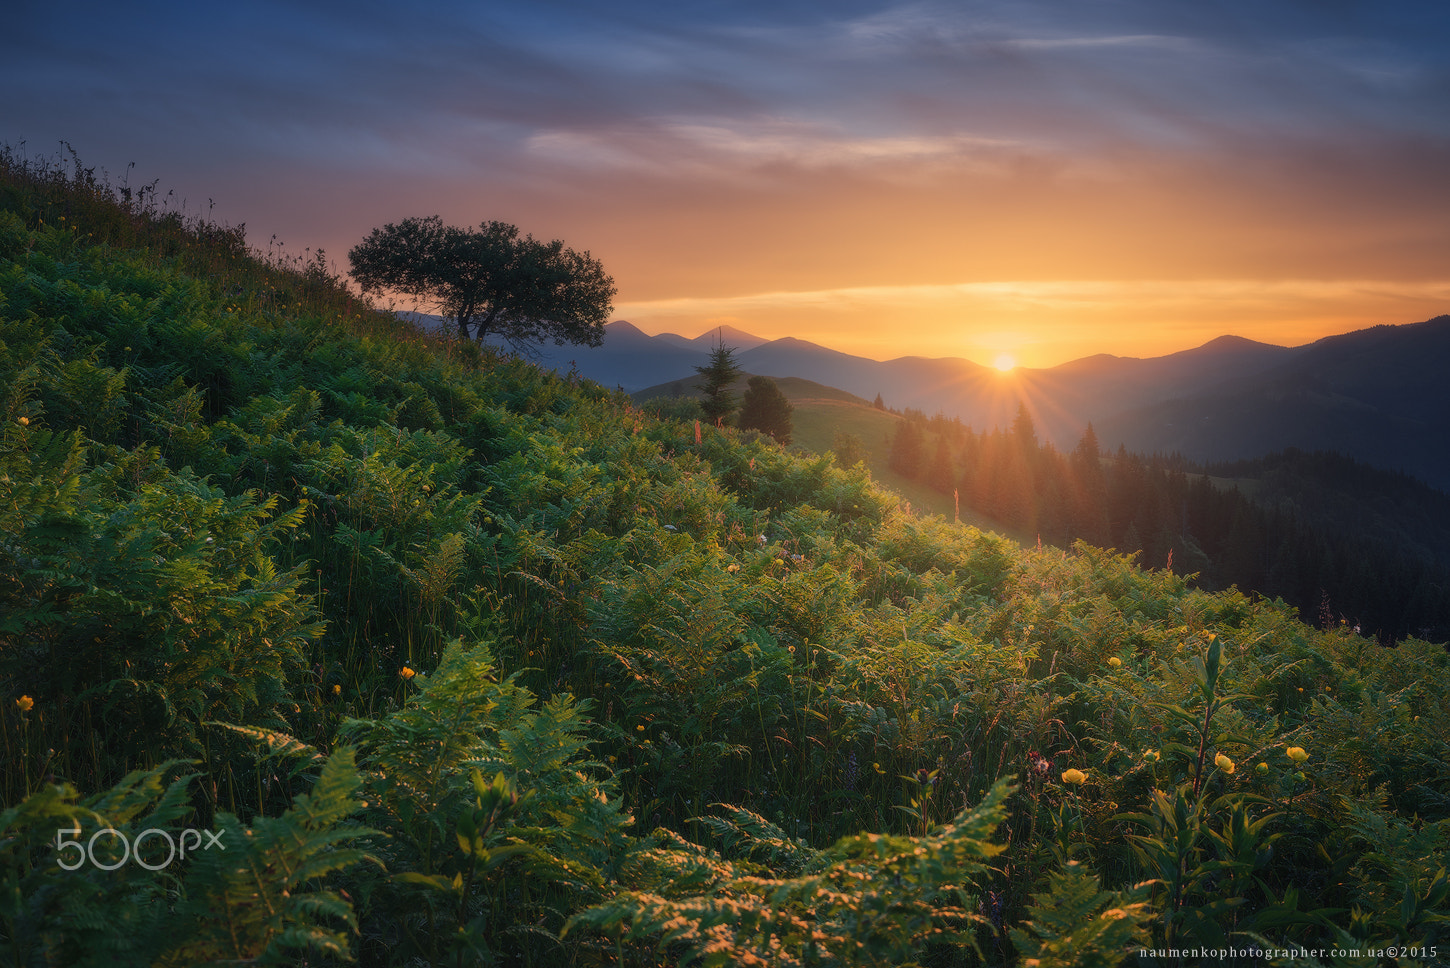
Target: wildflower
1297 754
1115 662
1038 762
1262 767
1151 756
1223 763
337 690
639 728
732 568
1074 776
25 703
25 421
406 673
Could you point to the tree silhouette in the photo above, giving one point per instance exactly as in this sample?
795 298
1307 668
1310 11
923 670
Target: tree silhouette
907 448
489 281
719 374
766 409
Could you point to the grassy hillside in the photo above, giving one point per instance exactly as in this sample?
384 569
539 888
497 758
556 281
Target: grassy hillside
821 412
464 663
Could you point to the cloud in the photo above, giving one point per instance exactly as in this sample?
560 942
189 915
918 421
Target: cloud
730 149
679 148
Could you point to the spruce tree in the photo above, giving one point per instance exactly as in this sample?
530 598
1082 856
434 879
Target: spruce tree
722 371
907 449
939 475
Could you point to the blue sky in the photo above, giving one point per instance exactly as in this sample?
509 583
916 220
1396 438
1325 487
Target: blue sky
1047 179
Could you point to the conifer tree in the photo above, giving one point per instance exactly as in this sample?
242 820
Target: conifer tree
719 374
907 448
939 474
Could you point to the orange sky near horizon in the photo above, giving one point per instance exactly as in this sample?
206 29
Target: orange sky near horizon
1046 324
1139 252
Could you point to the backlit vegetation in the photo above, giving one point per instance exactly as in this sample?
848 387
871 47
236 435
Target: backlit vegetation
472 664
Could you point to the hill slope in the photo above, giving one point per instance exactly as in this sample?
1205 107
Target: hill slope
1375 395
471 661
1378 395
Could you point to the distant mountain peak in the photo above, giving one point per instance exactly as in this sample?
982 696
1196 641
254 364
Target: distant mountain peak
730 336
1230 342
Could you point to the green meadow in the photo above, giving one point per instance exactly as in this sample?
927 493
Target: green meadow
456 662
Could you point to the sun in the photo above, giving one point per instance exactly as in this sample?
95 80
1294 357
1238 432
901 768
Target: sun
1005 363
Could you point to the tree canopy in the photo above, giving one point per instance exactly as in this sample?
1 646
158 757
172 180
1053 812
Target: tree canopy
490 281
766 409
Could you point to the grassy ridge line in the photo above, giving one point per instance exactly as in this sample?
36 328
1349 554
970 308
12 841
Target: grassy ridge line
556 632
822 411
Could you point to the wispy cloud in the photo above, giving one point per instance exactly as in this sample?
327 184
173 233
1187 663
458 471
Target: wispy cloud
798 146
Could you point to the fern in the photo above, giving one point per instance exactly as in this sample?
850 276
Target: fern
1076 924
868 900
256 898
259 899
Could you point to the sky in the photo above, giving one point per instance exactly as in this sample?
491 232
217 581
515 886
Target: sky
1041 180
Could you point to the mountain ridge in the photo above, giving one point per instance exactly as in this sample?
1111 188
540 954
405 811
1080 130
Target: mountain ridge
1374 394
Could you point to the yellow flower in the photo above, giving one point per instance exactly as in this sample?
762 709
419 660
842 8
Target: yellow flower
25 703
732 568
25 421
337 690
407 673
1151 756
1223 763
1074 776
1262 767
1115 662
639 728
1297 754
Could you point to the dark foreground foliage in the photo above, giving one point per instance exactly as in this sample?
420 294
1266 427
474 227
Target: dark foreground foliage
470 664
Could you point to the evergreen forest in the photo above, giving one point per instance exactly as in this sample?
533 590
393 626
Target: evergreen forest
326 642
1342 542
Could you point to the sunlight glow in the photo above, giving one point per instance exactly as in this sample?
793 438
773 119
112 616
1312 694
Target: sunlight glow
1005 363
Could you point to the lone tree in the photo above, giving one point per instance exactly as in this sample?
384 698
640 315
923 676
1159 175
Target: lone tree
719 374
766 409
490 281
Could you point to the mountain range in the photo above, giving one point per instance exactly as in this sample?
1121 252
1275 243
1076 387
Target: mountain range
1380 395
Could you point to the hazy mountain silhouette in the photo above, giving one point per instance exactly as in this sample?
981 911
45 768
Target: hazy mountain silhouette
1379 395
